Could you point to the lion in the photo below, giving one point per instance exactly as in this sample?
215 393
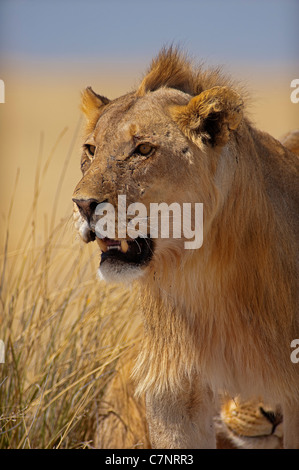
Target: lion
121 422
217 320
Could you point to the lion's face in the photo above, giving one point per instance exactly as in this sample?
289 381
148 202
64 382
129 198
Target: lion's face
138 153
147 149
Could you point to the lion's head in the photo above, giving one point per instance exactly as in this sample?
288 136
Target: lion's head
160 144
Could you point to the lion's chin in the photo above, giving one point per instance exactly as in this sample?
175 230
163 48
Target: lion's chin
124 260
120 272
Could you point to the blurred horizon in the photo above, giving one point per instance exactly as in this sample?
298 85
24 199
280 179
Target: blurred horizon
70 29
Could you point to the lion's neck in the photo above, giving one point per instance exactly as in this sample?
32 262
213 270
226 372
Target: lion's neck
242 246
225 289
223 297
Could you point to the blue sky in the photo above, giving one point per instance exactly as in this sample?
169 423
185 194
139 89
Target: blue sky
262 31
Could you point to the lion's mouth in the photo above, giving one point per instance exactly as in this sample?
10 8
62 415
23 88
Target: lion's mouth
138 251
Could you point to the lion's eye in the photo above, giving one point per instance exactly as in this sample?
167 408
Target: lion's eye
90 149
144 149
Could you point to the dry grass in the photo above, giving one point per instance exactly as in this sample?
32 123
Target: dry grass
63 334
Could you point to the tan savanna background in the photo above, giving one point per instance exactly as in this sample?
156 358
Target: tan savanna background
63 331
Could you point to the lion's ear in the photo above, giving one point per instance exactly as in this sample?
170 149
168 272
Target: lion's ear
91 105
210 116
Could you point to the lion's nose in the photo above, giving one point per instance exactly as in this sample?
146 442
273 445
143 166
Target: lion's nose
86 207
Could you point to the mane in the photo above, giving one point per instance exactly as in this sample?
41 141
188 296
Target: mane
174 69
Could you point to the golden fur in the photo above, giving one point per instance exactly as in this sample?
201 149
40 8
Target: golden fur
221 318
122 418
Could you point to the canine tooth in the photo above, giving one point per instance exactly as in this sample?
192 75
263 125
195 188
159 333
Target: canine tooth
102 245
124 246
